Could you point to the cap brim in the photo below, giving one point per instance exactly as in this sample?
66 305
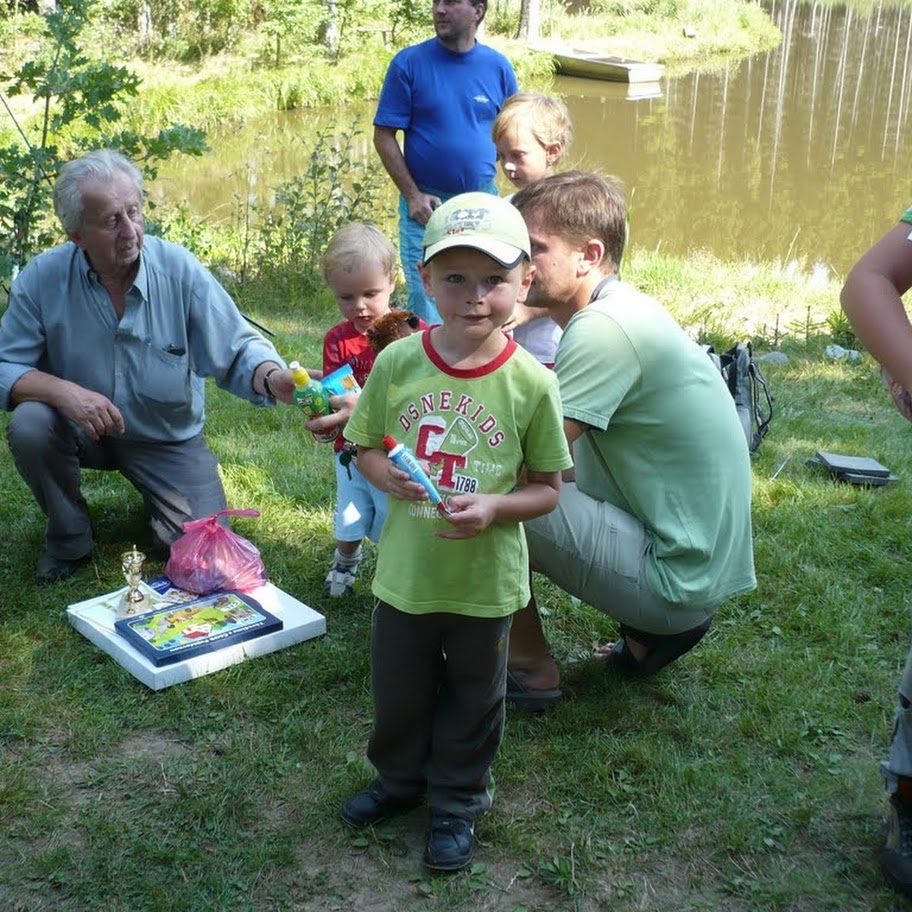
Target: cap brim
508 255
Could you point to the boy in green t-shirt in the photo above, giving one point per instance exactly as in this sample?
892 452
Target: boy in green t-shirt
485 417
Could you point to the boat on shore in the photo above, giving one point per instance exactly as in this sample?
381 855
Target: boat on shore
592 65
578 87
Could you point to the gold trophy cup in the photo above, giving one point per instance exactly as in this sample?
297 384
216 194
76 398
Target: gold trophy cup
133 600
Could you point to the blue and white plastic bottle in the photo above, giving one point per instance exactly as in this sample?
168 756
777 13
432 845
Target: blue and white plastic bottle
403 458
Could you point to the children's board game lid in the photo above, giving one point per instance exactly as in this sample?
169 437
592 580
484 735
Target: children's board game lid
173 632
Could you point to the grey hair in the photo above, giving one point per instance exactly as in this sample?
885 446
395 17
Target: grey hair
98 165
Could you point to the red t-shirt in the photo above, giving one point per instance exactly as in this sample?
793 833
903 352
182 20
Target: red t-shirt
343 344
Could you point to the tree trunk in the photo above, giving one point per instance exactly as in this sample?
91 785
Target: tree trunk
144 26
331 34
529 20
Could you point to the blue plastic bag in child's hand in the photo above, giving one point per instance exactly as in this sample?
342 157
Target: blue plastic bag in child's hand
209 557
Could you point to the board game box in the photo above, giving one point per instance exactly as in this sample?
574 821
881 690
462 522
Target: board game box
96 618
172 632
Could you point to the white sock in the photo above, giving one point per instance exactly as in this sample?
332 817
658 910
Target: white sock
348 561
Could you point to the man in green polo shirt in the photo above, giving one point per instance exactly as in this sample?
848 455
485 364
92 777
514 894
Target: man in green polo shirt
656 529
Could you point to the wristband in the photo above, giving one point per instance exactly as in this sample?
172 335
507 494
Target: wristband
266 377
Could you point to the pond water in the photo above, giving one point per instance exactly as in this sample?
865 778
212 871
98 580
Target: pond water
793 154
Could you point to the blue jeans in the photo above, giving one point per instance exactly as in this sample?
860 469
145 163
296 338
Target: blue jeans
411 252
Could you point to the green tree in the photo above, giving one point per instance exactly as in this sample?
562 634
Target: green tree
410 14
78 103
181 29
290 25
14 7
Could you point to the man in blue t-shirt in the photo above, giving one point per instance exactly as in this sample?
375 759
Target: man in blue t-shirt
444 95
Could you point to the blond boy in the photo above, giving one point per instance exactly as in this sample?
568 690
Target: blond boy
486 419
532 134
359 266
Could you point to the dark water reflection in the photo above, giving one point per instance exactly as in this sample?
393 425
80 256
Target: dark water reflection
795 154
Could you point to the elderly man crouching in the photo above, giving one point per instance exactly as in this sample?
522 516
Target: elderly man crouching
104 348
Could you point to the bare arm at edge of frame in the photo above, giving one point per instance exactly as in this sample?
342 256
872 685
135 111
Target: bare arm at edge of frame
872 300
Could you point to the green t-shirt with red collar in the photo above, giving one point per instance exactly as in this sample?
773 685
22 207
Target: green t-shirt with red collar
476 429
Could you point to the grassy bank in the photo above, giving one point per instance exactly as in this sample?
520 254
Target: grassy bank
743 779
240 86
245 82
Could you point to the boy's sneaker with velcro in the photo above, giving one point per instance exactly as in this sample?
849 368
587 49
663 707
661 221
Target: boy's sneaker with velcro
340 581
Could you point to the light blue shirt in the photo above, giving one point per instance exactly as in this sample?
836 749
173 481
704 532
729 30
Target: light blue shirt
179 326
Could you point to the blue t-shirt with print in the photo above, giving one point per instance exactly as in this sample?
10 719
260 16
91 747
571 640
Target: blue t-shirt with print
445 102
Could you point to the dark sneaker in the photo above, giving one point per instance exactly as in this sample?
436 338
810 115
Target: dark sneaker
896 855
375 804
53 569
450 842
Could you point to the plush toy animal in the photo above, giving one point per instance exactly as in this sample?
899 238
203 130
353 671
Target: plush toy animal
397 324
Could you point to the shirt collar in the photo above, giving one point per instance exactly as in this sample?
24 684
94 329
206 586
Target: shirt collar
140 282
601 287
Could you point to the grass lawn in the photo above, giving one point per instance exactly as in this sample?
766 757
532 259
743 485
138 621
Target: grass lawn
743 778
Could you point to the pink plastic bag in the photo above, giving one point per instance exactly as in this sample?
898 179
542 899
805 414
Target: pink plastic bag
209 556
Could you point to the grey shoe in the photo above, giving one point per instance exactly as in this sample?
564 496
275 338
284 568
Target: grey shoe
896 855
340 581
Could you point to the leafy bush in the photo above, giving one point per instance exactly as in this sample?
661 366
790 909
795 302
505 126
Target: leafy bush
17 33
337 186
79 108
665 8
178 223
290 27
180 29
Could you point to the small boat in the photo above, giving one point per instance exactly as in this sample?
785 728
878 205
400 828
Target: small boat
591 65
637 91
579 87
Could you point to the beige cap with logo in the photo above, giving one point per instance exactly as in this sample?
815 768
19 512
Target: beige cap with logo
481 221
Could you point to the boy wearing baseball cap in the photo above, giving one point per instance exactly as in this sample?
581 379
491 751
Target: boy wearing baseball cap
484 417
